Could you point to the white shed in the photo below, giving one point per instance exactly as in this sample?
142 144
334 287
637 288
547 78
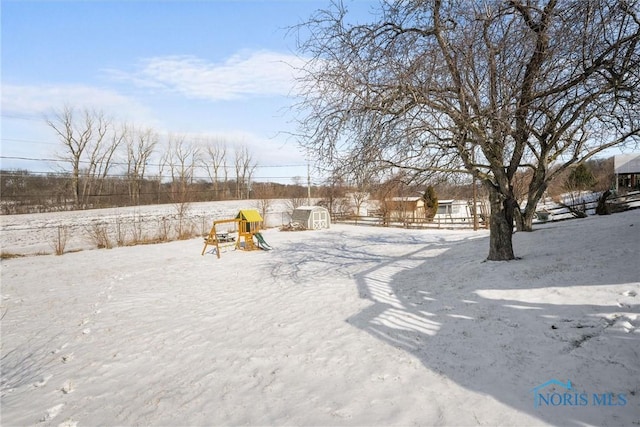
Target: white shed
312 217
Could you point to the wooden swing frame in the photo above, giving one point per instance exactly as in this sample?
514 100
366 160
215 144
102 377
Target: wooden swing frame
215 239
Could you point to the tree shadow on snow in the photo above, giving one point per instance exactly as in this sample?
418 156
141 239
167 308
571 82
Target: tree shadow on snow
488 327
498 329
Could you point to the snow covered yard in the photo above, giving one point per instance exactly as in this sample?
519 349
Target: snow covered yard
348 326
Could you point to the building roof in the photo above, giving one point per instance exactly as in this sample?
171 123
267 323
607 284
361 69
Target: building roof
310 208
626 163
406 199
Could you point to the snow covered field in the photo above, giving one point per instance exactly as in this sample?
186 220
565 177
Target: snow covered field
38 233
348 326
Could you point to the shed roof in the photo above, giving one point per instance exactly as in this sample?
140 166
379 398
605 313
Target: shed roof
250 215
310 208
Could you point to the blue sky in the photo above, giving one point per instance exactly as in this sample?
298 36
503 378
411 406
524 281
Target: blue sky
214 68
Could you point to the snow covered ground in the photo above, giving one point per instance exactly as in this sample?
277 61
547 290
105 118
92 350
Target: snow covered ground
347 326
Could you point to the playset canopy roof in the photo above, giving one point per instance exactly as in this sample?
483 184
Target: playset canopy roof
250 215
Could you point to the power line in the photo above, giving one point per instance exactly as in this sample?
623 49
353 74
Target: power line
228 167
33 159
30 118
198 179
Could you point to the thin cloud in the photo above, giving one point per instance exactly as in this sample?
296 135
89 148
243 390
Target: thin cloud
37 100
266 151
244 75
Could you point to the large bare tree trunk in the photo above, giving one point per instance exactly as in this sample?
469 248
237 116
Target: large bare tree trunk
501 225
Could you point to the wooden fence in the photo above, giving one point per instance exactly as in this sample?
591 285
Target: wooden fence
415 223
555 212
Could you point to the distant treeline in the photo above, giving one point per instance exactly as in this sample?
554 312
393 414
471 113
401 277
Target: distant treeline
22 191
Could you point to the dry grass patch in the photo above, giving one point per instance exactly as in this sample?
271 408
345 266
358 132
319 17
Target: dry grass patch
9 255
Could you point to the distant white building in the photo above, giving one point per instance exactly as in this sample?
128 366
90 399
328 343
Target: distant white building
454 209
627 170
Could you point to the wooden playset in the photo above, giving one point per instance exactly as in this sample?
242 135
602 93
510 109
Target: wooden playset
247 226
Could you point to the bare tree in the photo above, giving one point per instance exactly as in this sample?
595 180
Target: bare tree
140 145
485 88
95 152
90 141
163 165
214 162
105 157
182 159
333 192
75 142
264 195
244 167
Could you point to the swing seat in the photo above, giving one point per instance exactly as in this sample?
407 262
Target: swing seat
224 237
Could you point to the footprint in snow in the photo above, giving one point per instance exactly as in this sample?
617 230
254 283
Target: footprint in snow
43 381
67 387
52 413
58 350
